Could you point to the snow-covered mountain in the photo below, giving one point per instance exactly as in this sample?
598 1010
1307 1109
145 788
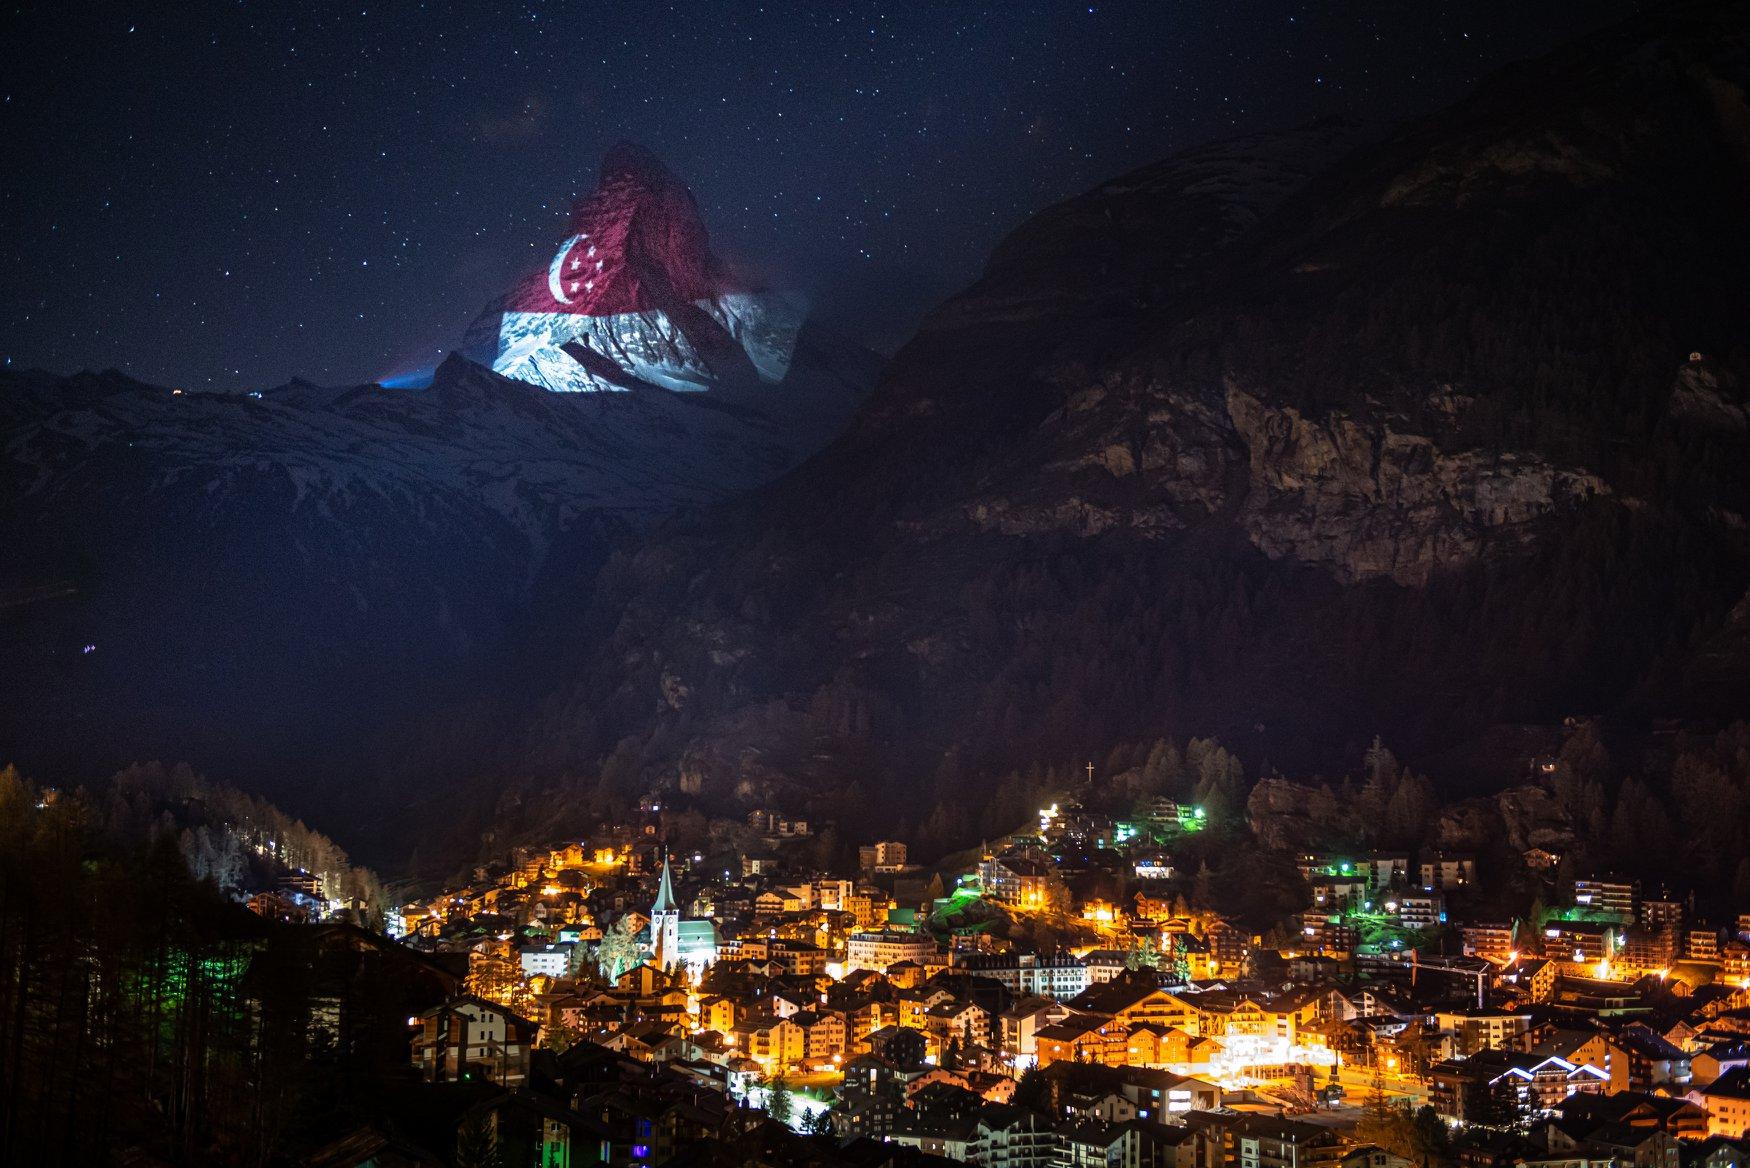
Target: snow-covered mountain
633 294
533 460
633 297
273 578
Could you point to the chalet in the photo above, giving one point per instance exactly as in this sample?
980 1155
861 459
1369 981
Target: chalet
525 1119
1022 1021
1143 1045
1082 1038
469 1038
758 863
1494 940
1136 1001
1023 880
1727 1103
824 1035
935 1133
1059 976
1448 870
1720 1152
1534 977
1009 1135
1709 1064
1581 942
957 1021
1372 1156
1679 1117
1097 1143
1262 1141
992 1088
914 1004
775 1043
1493 1086
1479 1029
1641 1059
1614 1142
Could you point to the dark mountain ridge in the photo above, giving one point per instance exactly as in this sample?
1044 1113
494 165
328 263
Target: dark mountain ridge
342 595
329 594
1273 440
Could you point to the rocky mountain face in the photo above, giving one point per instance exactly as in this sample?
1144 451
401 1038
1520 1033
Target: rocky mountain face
305 588
1288 440
1283 815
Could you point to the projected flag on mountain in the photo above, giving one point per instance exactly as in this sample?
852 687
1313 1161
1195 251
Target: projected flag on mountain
633 297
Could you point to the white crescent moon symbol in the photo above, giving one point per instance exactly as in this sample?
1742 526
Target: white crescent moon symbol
555 277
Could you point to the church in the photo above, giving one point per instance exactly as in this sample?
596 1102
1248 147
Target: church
674 942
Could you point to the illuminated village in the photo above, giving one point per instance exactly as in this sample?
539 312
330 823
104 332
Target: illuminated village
1065 996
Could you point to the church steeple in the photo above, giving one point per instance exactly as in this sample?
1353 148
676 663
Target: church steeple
665 921
665 902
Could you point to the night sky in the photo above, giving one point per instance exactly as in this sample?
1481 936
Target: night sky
230 195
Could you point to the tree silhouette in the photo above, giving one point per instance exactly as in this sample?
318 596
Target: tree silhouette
477 1141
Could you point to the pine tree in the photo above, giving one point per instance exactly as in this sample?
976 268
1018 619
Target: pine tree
780 1105
1380 765
1409 810
1203 888
495 973
477 1142
618 950
936 890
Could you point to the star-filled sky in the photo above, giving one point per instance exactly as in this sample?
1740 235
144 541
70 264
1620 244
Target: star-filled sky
227 195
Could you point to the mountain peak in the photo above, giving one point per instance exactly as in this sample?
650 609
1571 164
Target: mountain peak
628 160
634 297
634 244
